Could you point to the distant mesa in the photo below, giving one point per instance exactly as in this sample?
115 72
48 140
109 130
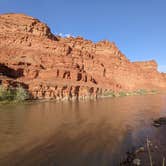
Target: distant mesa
56 67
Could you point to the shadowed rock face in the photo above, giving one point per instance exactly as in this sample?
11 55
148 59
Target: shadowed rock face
9 72
63 68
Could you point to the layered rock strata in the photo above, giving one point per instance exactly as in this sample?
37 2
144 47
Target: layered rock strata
52 67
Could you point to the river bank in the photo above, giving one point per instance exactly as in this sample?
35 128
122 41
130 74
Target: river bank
19 94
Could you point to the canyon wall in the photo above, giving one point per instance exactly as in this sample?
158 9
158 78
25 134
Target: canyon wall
52 67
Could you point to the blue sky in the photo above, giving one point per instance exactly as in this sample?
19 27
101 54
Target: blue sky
138 27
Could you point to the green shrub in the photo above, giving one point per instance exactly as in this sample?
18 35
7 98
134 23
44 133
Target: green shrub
109 93
130 93
21 94
154 91
3 93
122 93
10 94
13 94
141 92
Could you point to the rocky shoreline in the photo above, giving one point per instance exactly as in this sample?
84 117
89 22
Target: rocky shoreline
67 94
89 96
149 153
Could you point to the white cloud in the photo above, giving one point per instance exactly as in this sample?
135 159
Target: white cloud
65 35
60 34
162 68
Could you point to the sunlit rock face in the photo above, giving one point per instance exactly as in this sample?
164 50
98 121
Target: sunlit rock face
59 68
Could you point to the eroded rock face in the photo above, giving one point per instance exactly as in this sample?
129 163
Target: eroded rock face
67 68
23 24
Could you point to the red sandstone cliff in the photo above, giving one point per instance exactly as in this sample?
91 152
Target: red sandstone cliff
67 68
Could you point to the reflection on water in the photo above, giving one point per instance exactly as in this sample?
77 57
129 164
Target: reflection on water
90 133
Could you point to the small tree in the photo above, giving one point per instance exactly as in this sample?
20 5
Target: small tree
3 91
10 94
21 94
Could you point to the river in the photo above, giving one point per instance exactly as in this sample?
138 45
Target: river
85 133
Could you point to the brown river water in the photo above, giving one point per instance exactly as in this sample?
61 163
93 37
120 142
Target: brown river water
86 133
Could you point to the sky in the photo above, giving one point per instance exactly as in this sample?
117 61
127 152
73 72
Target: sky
138 27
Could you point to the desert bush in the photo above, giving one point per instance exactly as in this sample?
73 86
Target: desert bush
13 94
141 92
3 93
122 93
109 93
154 91
20 94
